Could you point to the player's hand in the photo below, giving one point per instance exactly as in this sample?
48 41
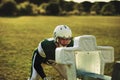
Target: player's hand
45 78
51 62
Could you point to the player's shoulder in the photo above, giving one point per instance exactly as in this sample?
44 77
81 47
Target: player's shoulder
48 41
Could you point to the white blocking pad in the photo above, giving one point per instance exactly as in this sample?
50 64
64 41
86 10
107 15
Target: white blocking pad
85 59
84 56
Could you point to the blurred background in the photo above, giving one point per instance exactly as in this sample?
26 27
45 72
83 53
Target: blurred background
24 23
59 7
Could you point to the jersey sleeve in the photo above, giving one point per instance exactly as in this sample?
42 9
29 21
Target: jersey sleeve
40 50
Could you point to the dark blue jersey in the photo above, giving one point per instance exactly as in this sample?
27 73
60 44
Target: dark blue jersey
49 47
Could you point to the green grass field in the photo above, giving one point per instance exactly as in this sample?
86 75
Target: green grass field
19 36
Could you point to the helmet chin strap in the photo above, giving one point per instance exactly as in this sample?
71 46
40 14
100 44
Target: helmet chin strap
61 45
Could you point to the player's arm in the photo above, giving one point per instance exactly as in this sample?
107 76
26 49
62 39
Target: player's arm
39 59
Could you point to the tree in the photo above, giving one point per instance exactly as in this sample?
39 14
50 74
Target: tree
20 1
108 9
62 3
27 8
86 6
8 8
97 6
38 2
42 8
117 6
67 6
53 9
0 1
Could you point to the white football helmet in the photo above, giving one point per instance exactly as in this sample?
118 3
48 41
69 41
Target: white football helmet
62 31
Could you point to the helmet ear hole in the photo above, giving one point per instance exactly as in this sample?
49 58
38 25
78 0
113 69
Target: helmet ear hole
60 28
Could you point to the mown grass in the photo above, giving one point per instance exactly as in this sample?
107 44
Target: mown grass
19 36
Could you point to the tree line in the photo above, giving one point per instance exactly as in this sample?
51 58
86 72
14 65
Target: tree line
58 8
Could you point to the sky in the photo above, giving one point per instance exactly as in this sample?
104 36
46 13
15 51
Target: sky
89 0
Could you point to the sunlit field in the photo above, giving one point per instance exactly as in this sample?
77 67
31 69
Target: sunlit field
19 36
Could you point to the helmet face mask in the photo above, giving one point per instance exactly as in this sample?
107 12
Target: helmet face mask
63 41
62 33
